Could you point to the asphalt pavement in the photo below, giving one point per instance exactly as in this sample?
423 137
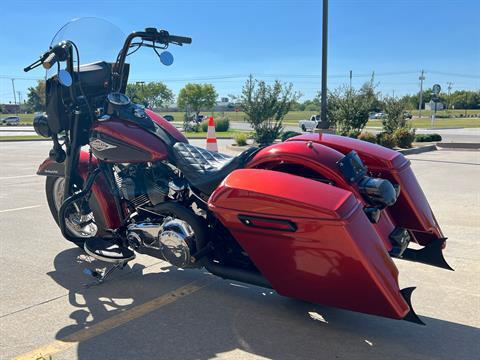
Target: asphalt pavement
151 310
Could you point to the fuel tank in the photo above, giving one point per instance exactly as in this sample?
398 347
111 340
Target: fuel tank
117 140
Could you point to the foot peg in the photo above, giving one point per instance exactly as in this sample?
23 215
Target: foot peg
108 250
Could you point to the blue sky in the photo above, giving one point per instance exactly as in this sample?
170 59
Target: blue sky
271 39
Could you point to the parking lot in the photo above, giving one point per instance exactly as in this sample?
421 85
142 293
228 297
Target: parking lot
151 310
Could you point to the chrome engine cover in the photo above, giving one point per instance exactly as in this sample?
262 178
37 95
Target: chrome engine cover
173 238
175 242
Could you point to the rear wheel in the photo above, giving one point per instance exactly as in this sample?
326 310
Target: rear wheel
304 128
82 224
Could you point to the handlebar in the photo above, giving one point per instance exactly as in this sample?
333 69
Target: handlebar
51 57
50 61
179 39
162 36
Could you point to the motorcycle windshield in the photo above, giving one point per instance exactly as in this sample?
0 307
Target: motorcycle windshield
96 40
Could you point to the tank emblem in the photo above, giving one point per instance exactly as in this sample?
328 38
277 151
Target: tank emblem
100 145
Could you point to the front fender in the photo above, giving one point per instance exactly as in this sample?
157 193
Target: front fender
102 200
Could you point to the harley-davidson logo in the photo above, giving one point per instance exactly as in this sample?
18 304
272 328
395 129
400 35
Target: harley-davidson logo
100 145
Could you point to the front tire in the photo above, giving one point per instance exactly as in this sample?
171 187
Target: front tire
77 225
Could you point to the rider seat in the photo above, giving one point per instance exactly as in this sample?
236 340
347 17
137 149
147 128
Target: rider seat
205 169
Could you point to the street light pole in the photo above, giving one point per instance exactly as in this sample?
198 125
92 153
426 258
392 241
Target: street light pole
14 97
421 78
323 115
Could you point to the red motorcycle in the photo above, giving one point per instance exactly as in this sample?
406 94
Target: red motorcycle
317 218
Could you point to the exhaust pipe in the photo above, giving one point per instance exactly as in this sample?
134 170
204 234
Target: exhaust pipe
244 276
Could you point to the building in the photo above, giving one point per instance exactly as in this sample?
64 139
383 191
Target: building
431 105
10 108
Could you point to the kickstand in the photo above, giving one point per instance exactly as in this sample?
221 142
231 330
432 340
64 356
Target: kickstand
100 278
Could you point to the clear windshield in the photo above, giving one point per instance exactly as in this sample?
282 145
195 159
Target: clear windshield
96 39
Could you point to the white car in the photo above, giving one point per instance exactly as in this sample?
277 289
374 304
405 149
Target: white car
310 124
10 120
379 115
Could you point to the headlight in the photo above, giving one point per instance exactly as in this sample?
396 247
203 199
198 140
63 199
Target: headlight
40 124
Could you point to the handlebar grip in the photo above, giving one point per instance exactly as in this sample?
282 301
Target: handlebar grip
180 39
50 61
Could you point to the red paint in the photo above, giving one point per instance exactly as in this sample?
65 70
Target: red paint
133 135
334 258
321 160
167 126
412 210
100 189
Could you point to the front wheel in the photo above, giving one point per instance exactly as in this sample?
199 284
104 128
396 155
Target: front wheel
78 224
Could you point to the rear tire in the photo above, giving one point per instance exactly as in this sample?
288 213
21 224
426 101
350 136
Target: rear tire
304 128
95 225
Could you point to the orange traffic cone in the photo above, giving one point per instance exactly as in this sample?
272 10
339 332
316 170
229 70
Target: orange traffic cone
211 137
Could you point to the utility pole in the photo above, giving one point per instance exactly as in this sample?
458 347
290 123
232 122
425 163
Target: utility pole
449 88
323 115
19 98
393 93
14 96
421 78
350 80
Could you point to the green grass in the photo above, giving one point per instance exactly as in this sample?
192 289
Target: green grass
439 123
202 134
445 113
20 137
229 134
293 117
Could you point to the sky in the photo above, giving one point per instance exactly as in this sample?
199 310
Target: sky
269 39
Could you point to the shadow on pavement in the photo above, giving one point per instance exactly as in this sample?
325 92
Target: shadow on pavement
237 321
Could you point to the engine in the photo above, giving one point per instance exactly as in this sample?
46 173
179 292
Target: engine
164 225
142 184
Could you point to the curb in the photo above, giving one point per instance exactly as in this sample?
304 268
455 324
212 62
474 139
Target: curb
463 146
238 148
418 150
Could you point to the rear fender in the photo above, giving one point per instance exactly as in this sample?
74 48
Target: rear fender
322 160
102 199
412 210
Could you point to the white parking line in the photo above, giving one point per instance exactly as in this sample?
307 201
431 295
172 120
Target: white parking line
16 177
22 208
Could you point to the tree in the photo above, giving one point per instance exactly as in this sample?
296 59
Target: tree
462 99
394 118
348 110
36 97
370 94
197 97
152 94
266 106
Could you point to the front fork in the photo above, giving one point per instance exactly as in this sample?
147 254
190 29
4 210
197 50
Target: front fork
73 153
76 173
